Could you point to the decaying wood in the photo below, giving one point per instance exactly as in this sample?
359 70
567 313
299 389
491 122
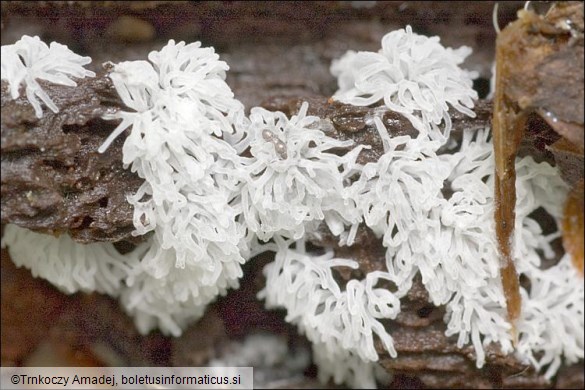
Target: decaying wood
508 128
539 69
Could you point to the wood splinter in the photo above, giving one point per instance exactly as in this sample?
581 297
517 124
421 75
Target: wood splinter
539 66
508 129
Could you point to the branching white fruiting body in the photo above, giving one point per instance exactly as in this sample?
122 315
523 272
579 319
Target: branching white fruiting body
30 59
414 75
296 178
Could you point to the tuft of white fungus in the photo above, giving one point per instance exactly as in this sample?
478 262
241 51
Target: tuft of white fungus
414 75
341 322
396 193
68 265
182 109
30 59
173 301
298 176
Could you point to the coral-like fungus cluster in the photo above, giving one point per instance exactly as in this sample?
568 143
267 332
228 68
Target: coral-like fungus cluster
221 186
